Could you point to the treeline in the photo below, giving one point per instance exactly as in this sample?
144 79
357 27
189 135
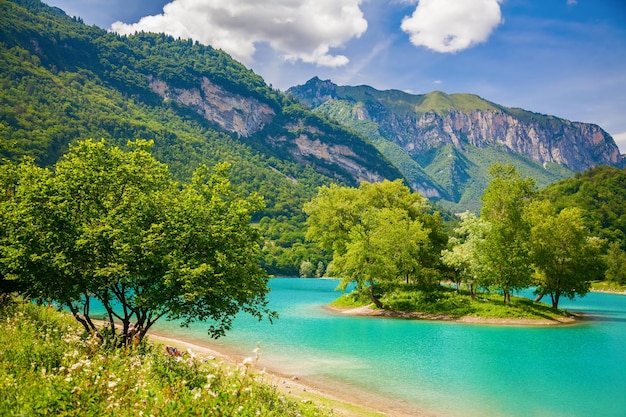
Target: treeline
601 193
382 234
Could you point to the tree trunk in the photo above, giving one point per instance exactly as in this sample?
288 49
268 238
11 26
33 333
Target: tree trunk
373 297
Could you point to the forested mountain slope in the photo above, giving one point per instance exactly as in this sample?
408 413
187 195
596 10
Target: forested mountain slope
51 62
444 144
601 193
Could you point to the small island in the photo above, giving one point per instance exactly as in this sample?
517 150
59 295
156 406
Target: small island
404 261
450 304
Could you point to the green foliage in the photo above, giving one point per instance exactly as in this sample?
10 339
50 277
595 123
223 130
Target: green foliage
504 250
463 255
615 260
448 303
600 192
111 225
564 254
46 368
439 302
307 269
62 81
377 233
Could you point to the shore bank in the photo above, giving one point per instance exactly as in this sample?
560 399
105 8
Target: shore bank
344 400
371 311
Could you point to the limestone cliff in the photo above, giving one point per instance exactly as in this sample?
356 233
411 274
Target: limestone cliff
330 150
232 112
578 146
419 123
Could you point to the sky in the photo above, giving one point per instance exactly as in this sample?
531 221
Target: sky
565 58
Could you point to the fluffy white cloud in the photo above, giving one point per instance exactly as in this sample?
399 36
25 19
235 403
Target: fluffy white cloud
452 25
303 30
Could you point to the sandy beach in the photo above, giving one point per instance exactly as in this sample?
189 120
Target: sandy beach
343 399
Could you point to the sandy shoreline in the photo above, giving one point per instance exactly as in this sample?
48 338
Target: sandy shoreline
343 399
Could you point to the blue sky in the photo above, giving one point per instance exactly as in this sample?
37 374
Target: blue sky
560 57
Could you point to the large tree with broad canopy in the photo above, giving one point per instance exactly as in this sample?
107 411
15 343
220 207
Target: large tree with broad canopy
109 226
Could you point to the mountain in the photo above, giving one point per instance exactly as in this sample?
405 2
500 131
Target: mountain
52 64
444 144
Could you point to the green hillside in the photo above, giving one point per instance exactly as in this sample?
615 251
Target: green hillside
601 193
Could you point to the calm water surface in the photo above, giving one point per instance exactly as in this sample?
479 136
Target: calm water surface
448 368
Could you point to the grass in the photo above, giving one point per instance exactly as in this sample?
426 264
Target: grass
448 302
607 286
48 368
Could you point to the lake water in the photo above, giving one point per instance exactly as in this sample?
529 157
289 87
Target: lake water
450 369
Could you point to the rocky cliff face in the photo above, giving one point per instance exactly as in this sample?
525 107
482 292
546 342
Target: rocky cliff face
578 146
327 150
444 144
310 144
232 112
411 124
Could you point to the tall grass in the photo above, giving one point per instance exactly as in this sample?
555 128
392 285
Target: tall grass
48 368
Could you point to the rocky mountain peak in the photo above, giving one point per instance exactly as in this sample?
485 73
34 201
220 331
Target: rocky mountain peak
421 133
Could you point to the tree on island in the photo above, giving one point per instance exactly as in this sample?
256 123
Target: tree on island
380 232
462 256
111 226
504 250
564 254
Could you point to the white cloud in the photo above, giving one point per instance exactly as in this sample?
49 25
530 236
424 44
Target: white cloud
298 30
452 25
620 140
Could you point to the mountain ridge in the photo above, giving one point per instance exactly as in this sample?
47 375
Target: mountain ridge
424 128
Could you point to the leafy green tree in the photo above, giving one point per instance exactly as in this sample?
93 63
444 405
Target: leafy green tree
463 255
377 234
600 192
615 260
319 272
112 226
504 251
564 254
307 269
331 216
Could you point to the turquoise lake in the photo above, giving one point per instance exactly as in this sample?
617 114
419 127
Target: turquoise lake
450 369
